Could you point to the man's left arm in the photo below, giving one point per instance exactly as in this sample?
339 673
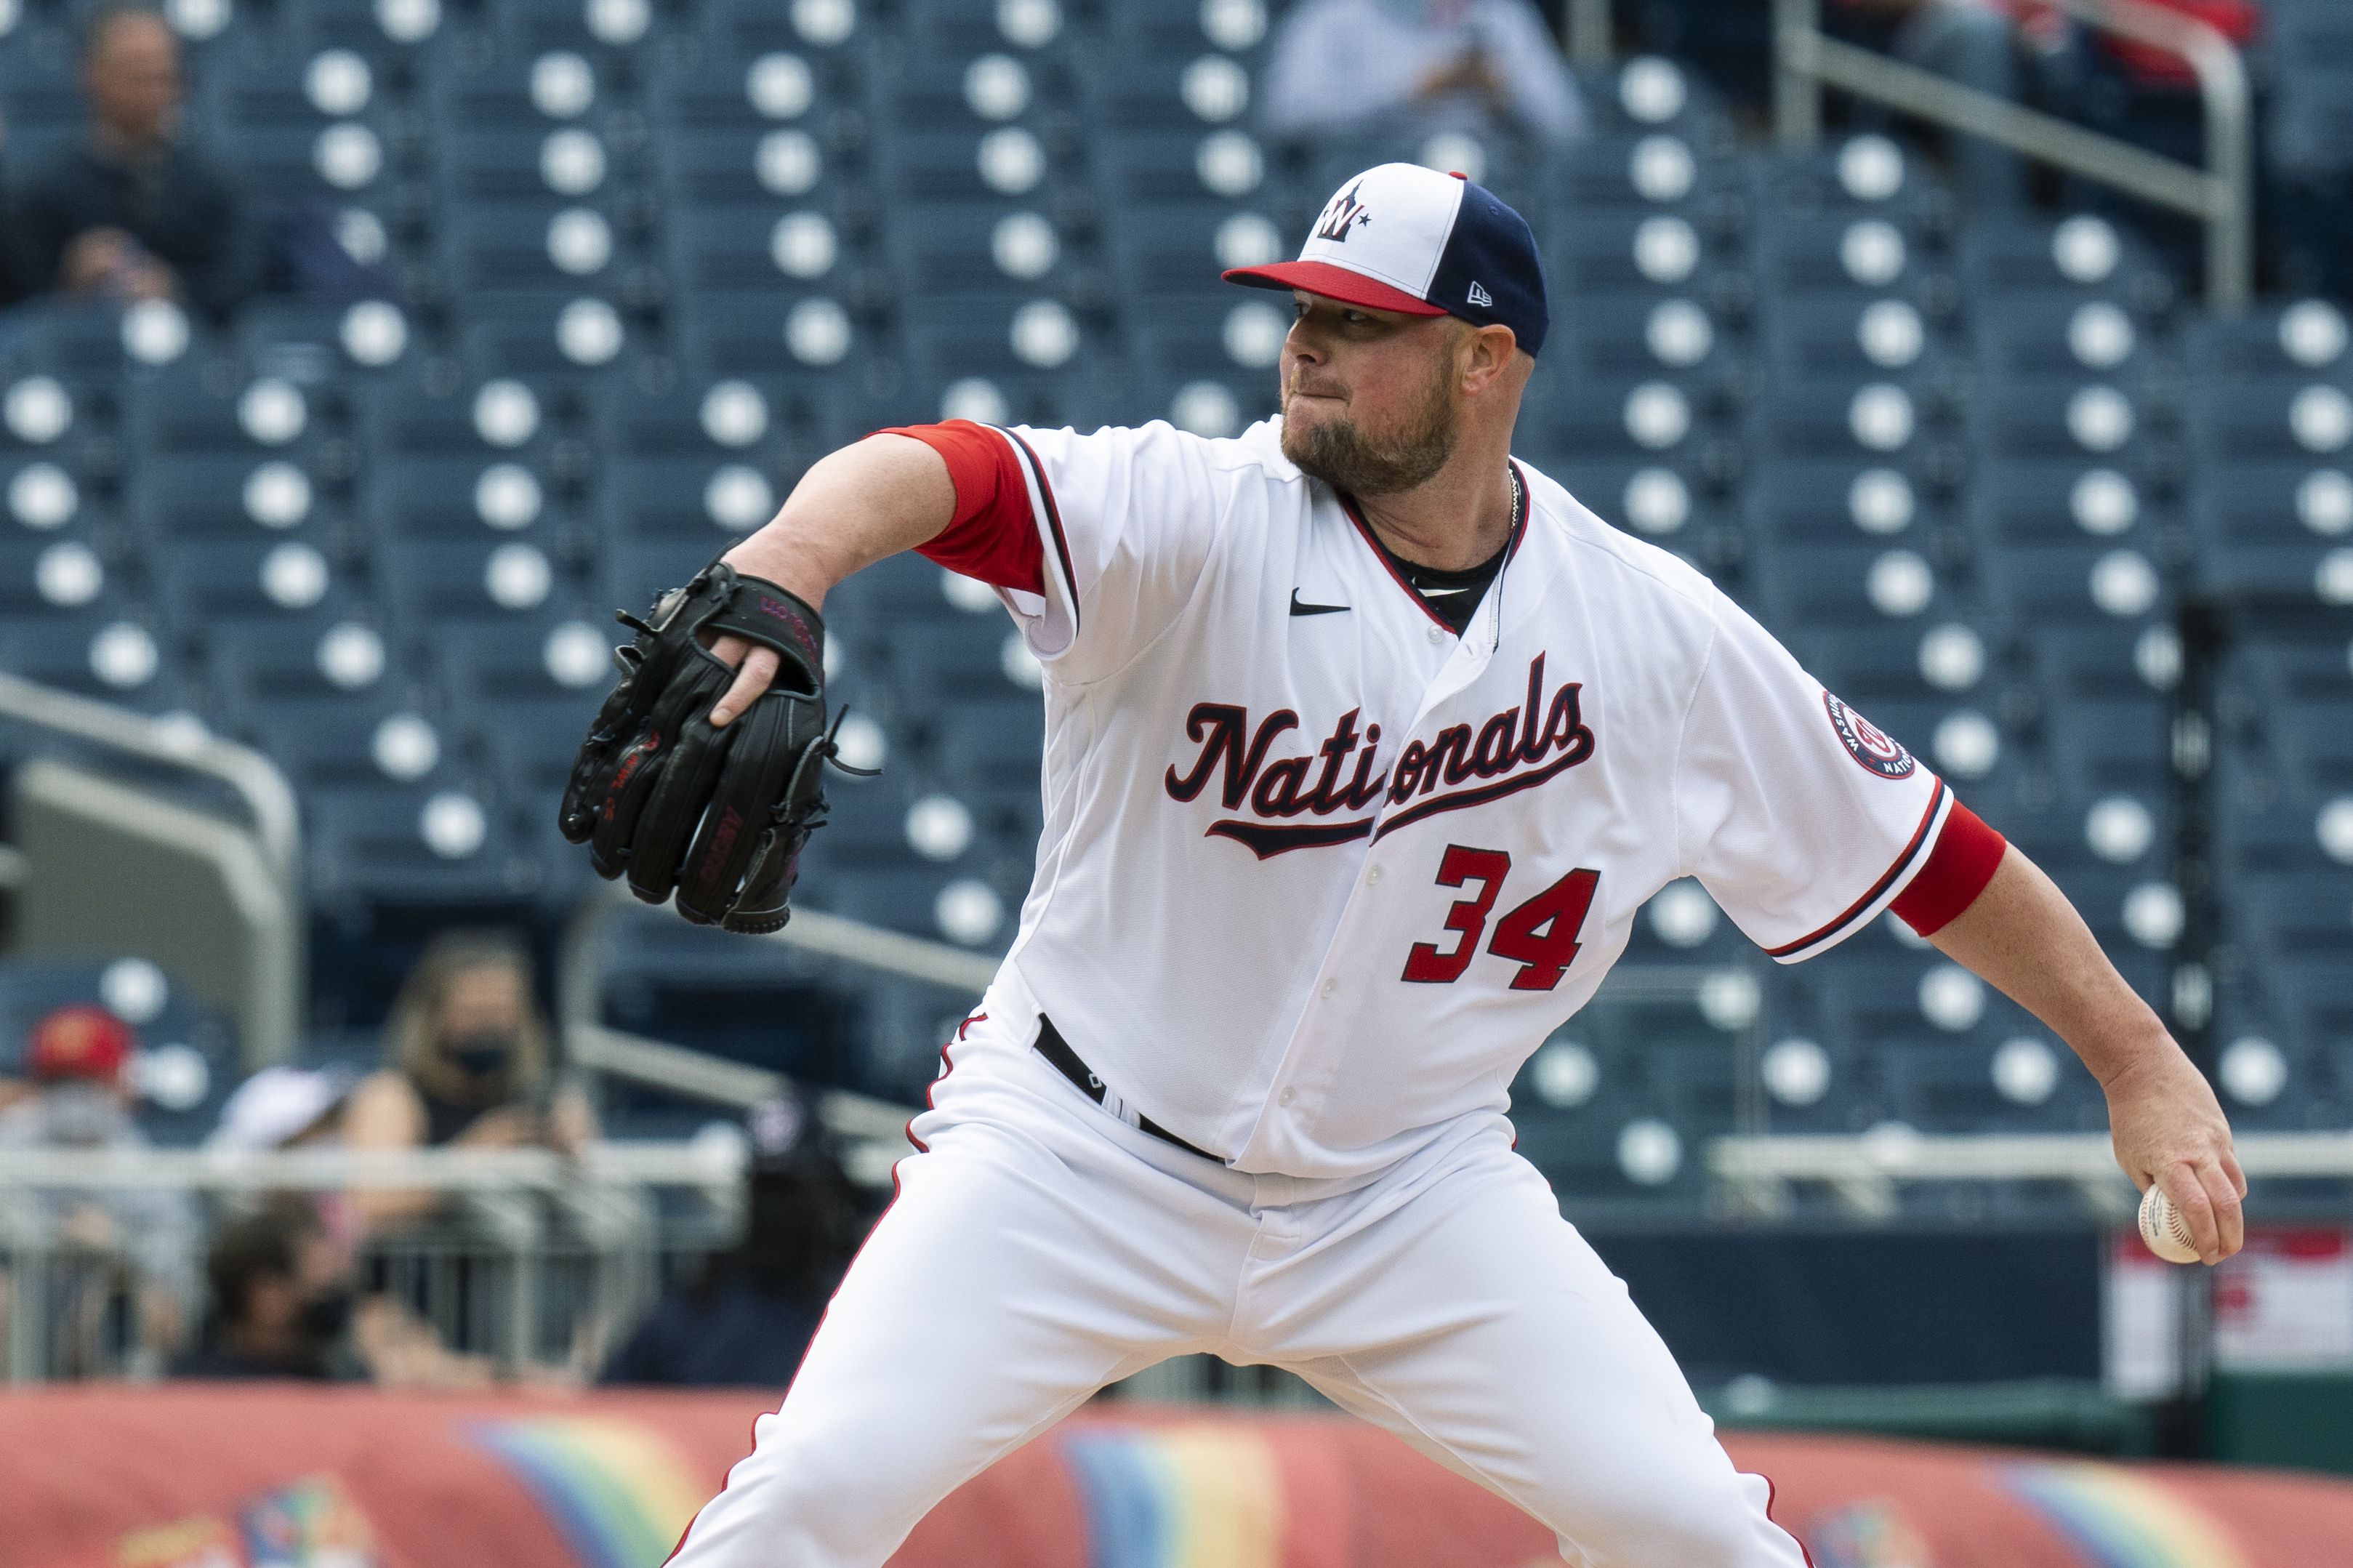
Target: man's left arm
2021 936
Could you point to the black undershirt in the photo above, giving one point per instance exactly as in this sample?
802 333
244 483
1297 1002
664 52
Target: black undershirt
1453 596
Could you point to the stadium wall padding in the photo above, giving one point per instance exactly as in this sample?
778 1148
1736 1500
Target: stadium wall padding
191 1476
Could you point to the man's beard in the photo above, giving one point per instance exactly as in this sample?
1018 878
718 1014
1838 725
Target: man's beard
1338 451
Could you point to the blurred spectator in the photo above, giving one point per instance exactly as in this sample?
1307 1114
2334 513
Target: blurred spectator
1344 66
134 211
748 1317
1975 43
281 1301
296 1107
470 1065
141 1239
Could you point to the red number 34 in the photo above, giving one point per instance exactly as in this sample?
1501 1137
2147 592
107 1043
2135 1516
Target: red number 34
1540 935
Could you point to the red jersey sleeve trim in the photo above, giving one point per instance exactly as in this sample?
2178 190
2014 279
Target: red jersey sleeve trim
993 535
1965 859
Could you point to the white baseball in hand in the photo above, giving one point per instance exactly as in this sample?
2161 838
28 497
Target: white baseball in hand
2163 1228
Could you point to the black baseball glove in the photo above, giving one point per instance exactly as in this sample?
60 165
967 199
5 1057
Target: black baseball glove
655 773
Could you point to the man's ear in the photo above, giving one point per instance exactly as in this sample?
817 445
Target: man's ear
1486 354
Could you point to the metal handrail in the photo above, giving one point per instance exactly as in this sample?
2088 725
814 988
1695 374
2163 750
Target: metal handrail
1588 31
2221 194
254 777
706 1163
276 986
1866 1168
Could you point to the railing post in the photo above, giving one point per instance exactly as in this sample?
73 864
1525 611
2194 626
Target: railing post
1588 33
1797 90
2230 162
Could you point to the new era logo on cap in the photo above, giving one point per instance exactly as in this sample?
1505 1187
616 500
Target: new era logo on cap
1402 237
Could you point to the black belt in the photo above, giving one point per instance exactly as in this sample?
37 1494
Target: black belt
1056 1050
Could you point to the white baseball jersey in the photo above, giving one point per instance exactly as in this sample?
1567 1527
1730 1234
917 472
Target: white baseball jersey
1317 874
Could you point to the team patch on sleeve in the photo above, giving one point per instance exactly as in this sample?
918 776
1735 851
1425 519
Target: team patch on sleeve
1866 743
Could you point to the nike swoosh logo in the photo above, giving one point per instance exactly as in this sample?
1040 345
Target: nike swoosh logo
1298 608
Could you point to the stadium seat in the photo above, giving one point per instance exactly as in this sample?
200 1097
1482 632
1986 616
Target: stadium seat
429 582
2085 255
213 405
116 654
518 90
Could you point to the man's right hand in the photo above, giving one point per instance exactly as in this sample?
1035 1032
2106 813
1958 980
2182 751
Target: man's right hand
92 258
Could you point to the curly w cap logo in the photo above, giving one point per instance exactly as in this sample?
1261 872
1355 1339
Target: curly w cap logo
1866 743
1345 213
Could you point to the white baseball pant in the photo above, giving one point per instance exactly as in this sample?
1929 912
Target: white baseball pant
1040 1248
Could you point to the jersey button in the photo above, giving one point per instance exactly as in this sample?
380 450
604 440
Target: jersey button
1288 1095
1374 875
1436 634
1330 986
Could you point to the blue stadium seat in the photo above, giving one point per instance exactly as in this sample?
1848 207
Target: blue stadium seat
199 584
2272 502
788 250
534 246
1801 255
1888 421
429 582
1654 419
2062 418
213 405
678 499
2060 335
813 347
1622 337
441 846
75 341
451 496
2084 255
208 495
472 88
757 164
995 247
390 38
499 420
116 653
1660 171
832 32
614 33
706 89
313 342
553 340
316 659
41 89
1845 336
500 165
1148 169
1149 89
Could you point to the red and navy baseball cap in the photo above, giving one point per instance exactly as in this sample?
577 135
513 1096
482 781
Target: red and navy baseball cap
1403 237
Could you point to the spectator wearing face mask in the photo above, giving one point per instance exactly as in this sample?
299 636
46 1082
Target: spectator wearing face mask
470 1065
281 1301
134 210
137 1241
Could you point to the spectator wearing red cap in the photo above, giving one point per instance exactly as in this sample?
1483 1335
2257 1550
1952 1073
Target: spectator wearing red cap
142 1241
